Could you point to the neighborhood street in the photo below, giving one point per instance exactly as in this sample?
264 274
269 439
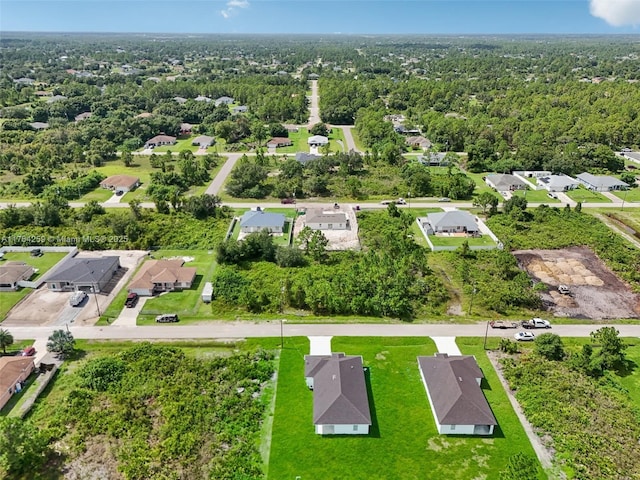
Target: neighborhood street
217 183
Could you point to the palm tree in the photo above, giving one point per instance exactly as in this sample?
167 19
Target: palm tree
6 339
61 343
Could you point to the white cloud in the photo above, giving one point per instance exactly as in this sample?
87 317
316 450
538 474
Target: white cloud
232 7
616 12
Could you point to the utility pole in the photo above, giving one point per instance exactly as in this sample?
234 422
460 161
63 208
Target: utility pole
473 294
95 296
486 332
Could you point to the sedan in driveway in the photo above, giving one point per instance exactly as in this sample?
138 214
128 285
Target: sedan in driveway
524 336
28 352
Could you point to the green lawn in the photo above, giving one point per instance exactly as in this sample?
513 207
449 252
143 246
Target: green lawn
632 381
356 139
481 186
483 241
186 303
282 240
42 263
632 195
536 196
99 195
183 143
403 442
583 195
10 299
300 144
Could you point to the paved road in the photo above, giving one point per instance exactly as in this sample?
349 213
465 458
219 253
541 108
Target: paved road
314 109
223 330
217 183
346 130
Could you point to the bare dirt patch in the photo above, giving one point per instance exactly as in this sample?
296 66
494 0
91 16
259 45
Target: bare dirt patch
596 292
338 239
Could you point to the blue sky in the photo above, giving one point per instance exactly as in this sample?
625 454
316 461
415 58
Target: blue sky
323 16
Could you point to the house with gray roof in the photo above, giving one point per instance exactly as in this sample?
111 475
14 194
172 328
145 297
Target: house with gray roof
304 157
317 141
505 182
340 399
259 220
202 98
601 183
89 274
318 219
160 140
418 142
453 221
223 101
433 159
239 109
558 183
453 386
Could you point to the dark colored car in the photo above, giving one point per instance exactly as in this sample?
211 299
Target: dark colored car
167 318
131 300
288 201
28 352
36 252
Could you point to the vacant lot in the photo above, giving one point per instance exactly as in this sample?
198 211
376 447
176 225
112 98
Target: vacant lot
403 443
596 292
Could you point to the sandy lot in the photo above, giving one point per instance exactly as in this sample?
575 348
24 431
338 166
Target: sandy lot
44 307
338 239
596 292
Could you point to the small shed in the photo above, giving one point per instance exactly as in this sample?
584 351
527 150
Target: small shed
207 292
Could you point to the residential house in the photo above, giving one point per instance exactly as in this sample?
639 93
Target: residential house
120 183
340 399
88 274
203 141
317 219
558 183
304 158
180 100
223 101
82 116
56 98
433 159
239 109
13 371
259 220
24 81
202 98
418 142
12 273
277 142
402 130
317 141
39 125
505 182
453 221
601 183
185 128
453 386
160 140
157 276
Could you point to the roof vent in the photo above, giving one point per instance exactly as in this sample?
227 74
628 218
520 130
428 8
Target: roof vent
333 377
459 379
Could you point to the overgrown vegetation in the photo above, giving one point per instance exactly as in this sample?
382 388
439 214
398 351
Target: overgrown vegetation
163 414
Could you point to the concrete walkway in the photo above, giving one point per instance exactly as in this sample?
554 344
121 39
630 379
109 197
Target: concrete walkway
447 345
320 345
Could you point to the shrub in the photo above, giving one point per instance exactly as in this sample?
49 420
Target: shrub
550 346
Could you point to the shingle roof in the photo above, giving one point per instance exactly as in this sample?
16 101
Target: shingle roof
305 158
12 272
161 139
162 271
280 141
339 390
453 218
84 270
203 140
261 219
601 180
504 181
453 387
10 370
115 181
318 140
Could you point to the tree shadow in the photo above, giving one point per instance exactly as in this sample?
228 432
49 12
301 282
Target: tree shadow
626 368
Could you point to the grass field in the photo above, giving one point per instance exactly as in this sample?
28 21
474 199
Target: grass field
483 241
183 143
403 432
481 186
631 195
583 195
186 303
536 196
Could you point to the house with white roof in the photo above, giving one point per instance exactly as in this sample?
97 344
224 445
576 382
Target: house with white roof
601 183
558 183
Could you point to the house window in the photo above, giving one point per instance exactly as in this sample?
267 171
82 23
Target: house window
330 226
453 427
355 428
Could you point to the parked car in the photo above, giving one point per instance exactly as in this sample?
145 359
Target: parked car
288 201
167 318
36 252
77 298
131 300
524 336
536 323
120 192
552 195
503 324
564 290
401 201
444 199
28 352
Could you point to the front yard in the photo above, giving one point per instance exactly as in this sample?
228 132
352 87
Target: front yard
536 196
583 195
403 442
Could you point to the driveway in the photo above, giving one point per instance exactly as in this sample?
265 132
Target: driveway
128 316
447 345
217 183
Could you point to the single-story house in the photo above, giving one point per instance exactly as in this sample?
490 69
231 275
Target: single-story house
39 125
317 141
120 183
180 100
402 130
24 81
11 273
223 101
13 370
259 220
203 141
82 116
304 157
239 109
160 140
533 173
505 182
418 142
277 142
601 183
558 183
185 128
313 76
202 98
453 221
321 220
458 404
340 399
162 276
88 274
433 159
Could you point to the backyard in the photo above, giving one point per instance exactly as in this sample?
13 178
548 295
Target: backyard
482 241
282 240
403 430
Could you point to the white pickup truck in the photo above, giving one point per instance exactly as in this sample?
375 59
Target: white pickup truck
536 323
